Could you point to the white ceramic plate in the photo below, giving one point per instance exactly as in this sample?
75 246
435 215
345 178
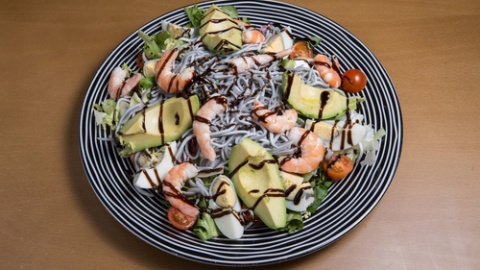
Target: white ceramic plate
348 202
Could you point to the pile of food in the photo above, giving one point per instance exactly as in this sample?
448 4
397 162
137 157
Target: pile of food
236 125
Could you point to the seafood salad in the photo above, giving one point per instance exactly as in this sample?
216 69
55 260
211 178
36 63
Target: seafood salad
235 125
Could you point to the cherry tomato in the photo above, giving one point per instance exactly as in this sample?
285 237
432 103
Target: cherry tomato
179 220
353 80
300 49
338 167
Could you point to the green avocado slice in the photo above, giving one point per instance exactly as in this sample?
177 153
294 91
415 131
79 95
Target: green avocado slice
158 124
314 102
256 177
219 32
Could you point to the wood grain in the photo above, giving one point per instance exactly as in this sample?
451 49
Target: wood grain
51 219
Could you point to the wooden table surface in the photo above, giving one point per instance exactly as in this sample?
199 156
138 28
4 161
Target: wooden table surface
50 217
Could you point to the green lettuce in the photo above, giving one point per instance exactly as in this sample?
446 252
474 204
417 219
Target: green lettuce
104 113
205 227
195 15
320 190
153 45
294 222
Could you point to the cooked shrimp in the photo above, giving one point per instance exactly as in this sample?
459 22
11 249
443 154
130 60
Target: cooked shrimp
201 125
168 81
173 183
252 36
311 152
119 85
328 71
244 63
274 122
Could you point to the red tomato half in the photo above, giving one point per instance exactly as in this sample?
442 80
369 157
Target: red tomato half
353 81
338 167
179 220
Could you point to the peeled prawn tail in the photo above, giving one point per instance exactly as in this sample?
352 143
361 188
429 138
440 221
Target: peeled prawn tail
310 154
173 183
252 36
201 125
119 85
330 72
284 53
245 63
273 122
168 81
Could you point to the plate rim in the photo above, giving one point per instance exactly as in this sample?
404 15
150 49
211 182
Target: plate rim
358 220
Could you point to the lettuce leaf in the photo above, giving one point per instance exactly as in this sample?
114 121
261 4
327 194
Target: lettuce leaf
104 113
230 10
195 15
153 45
294 222
320 189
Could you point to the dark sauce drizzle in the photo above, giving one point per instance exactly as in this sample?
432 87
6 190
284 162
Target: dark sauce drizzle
155 171
177 194
224 42
269 192
222 100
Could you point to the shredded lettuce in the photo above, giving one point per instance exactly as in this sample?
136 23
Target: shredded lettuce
108 105
99 116
230 10
194 14
171 43
127 69
146 83
320 190
294 222
154 44
104 113
109 111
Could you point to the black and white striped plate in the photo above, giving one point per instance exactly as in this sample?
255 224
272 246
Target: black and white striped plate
348 202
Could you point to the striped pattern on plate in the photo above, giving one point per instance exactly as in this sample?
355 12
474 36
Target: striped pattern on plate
348 202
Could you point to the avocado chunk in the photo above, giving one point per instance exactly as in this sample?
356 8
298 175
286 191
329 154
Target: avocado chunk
175 31
315 102
256 177
158 124
219 32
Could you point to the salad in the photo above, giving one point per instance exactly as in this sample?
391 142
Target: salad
235 125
